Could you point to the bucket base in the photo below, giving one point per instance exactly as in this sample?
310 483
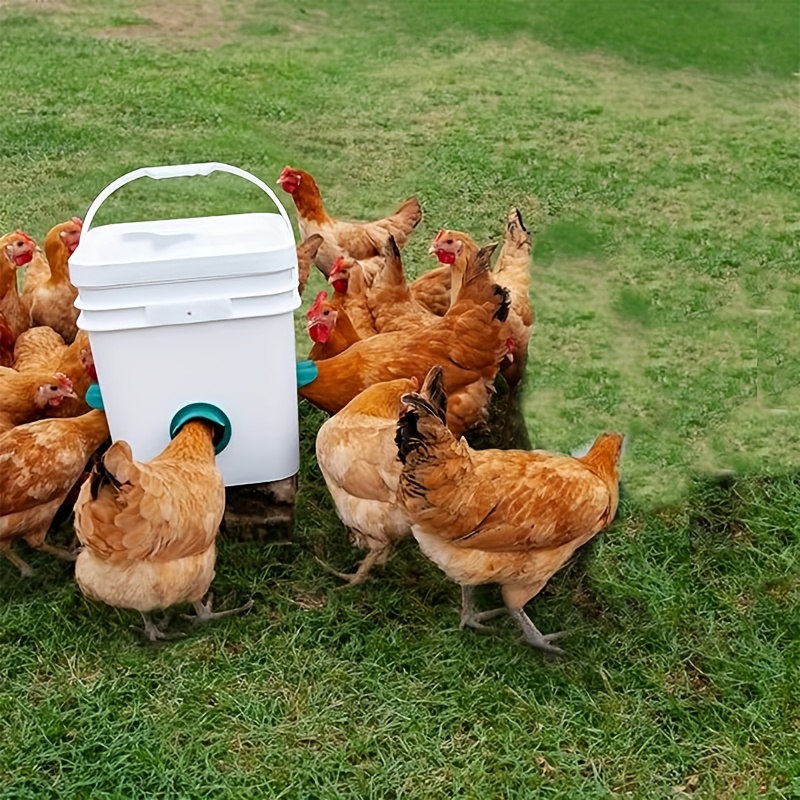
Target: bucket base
261 511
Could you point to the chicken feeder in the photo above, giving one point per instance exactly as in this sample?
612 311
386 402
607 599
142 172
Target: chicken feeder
193 318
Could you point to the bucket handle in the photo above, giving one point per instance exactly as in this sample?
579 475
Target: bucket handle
180 171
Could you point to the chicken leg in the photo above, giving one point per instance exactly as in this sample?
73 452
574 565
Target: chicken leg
515 597
36 540
153 633
204 613
373 557
470 618
534 637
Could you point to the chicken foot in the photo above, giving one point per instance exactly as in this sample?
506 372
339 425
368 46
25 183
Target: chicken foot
203 612
373 557
470 618
153 633
533 636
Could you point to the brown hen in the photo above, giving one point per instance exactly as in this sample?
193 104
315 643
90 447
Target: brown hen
27 396
499 516
42 348
16 250
358 459
357 239
52 301
512 271
149 529
39 465
330 328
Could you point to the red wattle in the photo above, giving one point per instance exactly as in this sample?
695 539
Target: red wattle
446 257
23 258
319 333
340 286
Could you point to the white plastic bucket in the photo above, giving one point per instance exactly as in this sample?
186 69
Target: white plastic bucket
188 311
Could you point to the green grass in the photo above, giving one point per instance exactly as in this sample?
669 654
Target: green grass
653 151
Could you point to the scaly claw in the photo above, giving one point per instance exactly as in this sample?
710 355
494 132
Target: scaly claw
534 637
25 569
154 634
203 612
475 619
470 618
361 574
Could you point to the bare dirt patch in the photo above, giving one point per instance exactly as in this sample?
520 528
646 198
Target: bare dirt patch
47 6
209 22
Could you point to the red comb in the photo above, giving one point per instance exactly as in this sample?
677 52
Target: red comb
78 221
64 381
319 300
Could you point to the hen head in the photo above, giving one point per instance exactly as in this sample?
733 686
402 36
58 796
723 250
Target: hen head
19 248
446 246
339 276
289 179
70 233
321 319
52 393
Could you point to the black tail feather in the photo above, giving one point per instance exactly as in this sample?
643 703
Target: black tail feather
391 250
516 217
99 477
407 437
432 400
502 312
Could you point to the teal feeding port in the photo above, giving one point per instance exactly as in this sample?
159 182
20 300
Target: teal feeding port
94 397
306 372
207 412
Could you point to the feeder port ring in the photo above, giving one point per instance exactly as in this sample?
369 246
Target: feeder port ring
204 411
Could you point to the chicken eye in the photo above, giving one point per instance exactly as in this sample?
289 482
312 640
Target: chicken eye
326 312
53 388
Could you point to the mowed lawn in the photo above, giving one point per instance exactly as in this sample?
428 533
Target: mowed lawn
653 151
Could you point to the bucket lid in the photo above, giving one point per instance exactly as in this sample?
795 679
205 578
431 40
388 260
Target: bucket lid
162 251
